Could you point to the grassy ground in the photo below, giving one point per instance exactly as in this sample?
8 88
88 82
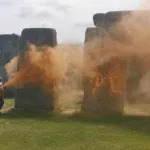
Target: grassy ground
48 131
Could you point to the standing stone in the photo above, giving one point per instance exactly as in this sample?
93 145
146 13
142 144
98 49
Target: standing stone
118 33
106 98
33 96
99 20
109 19
114 17
8 50
38 37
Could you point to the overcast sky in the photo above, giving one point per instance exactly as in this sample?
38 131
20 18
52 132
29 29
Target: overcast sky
69 17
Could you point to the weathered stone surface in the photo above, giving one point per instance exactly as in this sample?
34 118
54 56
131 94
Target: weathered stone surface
109 19
38 37
8 50
33 96
94 33
114 17
103 100
99 20
93 43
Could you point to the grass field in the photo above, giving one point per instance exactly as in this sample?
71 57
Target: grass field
48 131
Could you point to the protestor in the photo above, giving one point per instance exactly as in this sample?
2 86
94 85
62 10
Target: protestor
1 94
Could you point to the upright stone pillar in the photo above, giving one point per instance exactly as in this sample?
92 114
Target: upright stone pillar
8 50
103 92
33 96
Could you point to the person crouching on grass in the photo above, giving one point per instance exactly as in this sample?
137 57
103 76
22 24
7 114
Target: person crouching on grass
1 94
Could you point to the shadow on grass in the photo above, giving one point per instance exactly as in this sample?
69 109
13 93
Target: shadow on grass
139 124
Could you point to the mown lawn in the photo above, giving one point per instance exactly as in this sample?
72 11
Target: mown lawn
48 131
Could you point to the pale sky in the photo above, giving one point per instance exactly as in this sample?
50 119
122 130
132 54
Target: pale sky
70 18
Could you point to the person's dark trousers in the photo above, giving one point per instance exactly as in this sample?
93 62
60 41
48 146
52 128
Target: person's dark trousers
1 103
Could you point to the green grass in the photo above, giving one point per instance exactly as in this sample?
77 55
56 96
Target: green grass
49 131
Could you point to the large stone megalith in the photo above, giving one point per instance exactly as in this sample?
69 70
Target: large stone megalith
104 92
8 50
33 96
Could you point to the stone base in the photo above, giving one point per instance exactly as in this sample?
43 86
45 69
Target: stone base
35 98
103 101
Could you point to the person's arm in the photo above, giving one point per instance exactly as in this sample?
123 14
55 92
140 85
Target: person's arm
4 86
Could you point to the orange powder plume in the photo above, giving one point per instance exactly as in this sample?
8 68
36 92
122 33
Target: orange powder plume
39 65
